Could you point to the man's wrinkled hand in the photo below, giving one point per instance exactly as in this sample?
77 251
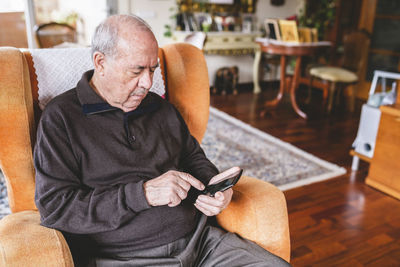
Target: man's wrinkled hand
212 206
170 188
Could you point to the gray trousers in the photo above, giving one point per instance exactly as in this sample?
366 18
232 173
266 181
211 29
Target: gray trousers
207 246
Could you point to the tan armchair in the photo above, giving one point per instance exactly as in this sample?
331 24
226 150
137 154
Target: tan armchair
258 209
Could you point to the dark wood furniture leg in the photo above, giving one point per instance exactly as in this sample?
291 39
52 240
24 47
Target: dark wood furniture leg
278 98
332 89
293 88
275 102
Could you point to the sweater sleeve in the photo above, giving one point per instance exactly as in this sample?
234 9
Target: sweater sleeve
193 160
64 202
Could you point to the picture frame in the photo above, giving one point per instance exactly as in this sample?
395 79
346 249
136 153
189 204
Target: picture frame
289 32
314 34
224 22
219 21
305 35
203 20
186 21
248 22
272 29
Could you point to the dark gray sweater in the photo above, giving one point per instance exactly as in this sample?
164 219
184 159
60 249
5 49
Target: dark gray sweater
91 160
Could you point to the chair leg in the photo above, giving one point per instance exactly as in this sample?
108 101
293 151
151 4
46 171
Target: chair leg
355 163
339 94
325 92
332 89
308 100
352 98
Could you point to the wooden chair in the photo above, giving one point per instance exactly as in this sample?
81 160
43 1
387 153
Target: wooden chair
355 49
53 33
257 211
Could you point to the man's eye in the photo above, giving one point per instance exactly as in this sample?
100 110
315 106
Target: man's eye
134 73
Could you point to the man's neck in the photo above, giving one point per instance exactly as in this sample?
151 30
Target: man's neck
94 83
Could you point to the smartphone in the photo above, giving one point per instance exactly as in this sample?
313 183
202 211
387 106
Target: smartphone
223 185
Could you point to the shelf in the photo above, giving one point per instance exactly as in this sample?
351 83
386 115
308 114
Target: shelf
224 43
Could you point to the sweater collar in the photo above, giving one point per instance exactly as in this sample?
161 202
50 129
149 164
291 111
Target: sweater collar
92 103
86 93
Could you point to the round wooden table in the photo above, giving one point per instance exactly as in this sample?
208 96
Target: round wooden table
286 49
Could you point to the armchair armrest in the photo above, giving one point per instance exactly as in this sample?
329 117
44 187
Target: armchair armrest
258 212
24 242
17 129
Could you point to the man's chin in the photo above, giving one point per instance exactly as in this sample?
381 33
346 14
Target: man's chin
132 103
128 108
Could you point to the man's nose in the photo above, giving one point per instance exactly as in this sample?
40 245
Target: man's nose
146 80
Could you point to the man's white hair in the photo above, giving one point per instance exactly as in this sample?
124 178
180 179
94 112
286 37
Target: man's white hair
105 38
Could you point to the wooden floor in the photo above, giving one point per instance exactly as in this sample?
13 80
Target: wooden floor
339 222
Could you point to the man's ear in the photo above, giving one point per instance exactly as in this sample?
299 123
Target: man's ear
98 62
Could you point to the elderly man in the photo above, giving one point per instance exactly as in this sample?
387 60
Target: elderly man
115 166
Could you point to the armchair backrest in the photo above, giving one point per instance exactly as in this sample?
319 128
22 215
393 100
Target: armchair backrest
186 79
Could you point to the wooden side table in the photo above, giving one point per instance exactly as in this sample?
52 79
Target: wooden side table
384 171
285 49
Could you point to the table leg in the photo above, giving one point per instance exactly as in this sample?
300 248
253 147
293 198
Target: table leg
282 83
293 88
275 102
256 66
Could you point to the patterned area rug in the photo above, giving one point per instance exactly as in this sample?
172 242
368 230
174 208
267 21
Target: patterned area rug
229 142
4 209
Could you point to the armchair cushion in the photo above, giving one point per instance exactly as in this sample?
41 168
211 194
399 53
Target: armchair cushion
24 242
258 212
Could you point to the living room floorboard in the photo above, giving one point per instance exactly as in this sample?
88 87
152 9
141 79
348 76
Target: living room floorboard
338 222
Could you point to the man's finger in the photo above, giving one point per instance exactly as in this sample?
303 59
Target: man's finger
210 200
211 209
174 201
192 181
221 176
220 196
204 211
183 184
181 192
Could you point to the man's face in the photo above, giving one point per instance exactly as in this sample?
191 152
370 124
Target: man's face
128 76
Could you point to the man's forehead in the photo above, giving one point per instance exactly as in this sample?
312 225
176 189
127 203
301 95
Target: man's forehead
141 50
136 39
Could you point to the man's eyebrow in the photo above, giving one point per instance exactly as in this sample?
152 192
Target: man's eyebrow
143 67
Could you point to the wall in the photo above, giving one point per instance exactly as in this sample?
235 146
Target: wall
13 29
91 11
157 13
266 10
